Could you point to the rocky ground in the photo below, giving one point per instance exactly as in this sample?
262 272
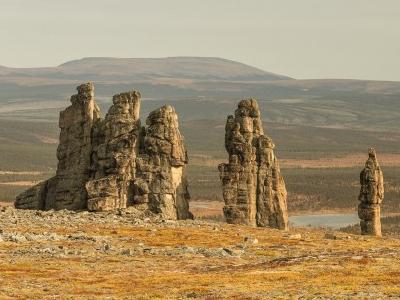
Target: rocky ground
128 255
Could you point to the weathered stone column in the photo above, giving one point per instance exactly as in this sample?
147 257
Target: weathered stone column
67 190
115 146
253 187
371 196
160 184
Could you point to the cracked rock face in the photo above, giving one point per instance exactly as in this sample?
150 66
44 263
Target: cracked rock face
115 146
160 182
371 196
113 163
253 187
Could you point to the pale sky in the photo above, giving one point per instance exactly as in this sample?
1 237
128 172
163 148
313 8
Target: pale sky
298 38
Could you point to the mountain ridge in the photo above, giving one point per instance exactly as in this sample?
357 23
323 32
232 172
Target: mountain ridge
168 67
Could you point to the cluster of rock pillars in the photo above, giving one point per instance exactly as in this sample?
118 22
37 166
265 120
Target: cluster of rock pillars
114 162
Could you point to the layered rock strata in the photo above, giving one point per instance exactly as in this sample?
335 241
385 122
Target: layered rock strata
253 187
371 196
113 163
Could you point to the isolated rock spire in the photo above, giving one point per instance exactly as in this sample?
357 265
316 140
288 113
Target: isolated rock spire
112 163
371 196
253 187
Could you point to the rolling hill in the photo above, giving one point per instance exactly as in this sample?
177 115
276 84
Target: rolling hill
202 88
128 69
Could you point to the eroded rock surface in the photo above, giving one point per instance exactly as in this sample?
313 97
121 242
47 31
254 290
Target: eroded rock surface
112 163
160 182
67 188
253 187
371 196
115 147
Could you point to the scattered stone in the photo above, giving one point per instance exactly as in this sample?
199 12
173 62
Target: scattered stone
234 252
212 252
296 236
7 210
82 237
253 187
17 238
127 252
371 196
357 257
187 249
105 247
250 240
331 236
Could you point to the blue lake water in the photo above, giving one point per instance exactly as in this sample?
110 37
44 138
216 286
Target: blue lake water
333 221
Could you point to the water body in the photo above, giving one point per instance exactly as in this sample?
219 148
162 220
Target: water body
334 221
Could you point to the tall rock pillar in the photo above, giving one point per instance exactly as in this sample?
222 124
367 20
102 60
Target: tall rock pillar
253 187
115 145
371 196
160 183
67 189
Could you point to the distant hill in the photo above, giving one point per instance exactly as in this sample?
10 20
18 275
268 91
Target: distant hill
202 88
117 69
186 76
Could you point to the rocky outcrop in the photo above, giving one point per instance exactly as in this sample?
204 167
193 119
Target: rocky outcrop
33 198
113 156
160 182
371 196
73 152
114 163
67 188
253 187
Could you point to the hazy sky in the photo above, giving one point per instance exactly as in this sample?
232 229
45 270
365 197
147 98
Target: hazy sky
298 38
